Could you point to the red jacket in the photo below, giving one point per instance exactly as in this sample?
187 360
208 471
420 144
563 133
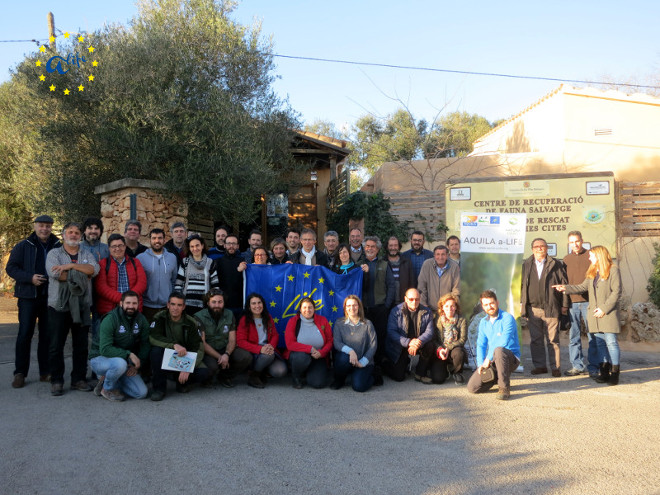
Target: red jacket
247 336
291 338
105 284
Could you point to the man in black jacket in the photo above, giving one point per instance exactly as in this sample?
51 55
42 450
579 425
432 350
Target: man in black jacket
542 305
27 266
401 269
231 278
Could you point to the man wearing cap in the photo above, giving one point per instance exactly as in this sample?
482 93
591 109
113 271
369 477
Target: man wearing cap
27 266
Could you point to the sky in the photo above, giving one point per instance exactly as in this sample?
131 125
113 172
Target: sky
585 40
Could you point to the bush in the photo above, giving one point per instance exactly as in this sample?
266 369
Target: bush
654 280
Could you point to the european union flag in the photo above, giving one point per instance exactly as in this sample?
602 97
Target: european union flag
283 286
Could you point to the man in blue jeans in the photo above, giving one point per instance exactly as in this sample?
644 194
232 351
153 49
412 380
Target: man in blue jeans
577 262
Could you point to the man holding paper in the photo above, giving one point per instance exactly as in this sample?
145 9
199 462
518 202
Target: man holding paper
173 329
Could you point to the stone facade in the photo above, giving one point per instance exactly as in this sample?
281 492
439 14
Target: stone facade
153 208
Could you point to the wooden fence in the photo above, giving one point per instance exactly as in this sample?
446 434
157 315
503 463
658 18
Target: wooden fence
423 210
639 209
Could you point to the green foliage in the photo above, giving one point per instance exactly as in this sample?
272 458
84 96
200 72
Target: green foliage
183 95
324 128
654 280
375 209
455 132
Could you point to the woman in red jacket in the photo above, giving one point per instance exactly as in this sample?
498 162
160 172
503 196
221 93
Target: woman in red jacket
256 334
308 339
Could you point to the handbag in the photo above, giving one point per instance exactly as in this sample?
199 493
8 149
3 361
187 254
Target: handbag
565 322
487 375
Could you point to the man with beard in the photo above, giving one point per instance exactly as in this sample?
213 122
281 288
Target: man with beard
497 347
401 269
160 267
132 233
119 350
219 337
92 232
27 266
417 254
254 241
293 242
231 276
70 269
218 249
330 243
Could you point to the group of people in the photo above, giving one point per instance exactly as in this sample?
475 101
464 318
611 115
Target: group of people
139 301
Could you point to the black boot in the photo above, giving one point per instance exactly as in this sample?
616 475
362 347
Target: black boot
614 376
604 373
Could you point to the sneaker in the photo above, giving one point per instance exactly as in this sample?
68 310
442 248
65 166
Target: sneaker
99 386
19 380
503 393
57 389
226 382
458 379
573 372
44 378
81 385
157 395
539 371
556 372
424 379
112 395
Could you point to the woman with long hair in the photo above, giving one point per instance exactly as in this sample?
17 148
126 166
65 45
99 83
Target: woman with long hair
197 274
451 335
309 342
355 344
603 283
256 334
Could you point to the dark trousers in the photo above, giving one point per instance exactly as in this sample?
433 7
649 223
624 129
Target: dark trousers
159 376
378 316
504 363
29 311
543 332
59 324
238 362
427 362
453 364
315 370
362 379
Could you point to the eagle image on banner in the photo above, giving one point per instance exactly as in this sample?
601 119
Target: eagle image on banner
283 286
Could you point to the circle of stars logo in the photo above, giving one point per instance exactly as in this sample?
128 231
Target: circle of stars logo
54 65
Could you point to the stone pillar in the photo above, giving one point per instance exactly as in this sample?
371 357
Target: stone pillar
155 208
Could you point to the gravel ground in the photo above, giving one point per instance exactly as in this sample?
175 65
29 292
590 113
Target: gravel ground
555 436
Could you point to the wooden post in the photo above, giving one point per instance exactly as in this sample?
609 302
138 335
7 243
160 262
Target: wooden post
51 29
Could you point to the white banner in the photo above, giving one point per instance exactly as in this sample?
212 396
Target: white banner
493 233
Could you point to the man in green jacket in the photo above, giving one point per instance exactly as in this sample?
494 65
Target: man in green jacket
219 337
173 329
118 350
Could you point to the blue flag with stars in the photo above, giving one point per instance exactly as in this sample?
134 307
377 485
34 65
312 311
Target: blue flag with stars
283 286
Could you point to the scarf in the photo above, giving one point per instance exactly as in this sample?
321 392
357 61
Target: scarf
449 329
308 256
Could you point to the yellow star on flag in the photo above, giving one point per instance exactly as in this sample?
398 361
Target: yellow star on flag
306 274
42 77
51 39
278 289
272 304
81 38
95 63
276 320
91 77
321 280
52 87
38 64
42 48
81 88
66 35
334 309
290 278
330 323
91 49
331 293
66 91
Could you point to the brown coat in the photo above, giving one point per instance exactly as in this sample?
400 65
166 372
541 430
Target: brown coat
606 297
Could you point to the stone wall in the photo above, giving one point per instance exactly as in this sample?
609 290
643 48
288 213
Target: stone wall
154 208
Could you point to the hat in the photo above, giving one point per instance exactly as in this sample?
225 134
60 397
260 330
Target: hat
43 219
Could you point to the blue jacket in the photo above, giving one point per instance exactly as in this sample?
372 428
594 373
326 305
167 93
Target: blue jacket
503 332
21 265
161 275
397 330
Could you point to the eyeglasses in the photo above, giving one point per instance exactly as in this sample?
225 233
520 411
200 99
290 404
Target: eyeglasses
117 246
542 246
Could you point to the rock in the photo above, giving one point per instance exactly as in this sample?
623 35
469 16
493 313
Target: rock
645 322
